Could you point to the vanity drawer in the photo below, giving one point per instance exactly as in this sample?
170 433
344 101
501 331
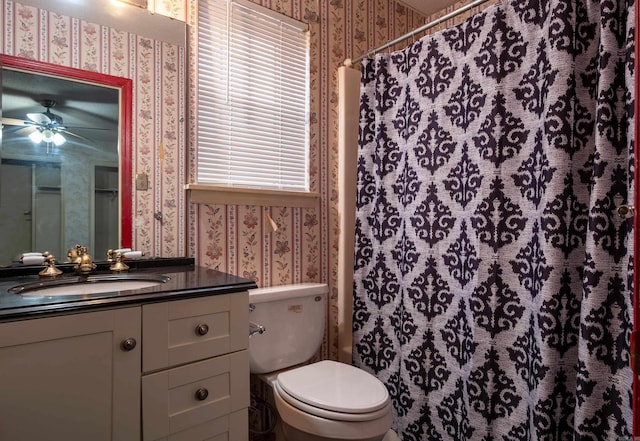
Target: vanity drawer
232 427
183 331
183 402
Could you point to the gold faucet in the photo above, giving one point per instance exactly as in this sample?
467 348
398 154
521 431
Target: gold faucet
74 253
82 259
50 266
119 266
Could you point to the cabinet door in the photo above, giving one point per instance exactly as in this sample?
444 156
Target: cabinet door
68 378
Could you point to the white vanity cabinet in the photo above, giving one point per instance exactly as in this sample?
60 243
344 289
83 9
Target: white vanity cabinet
71 377
195 363
170 370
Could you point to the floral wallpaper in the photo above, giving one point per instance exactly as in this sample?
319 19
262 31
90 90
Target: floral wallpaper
231 238
304 248
176 9
157 70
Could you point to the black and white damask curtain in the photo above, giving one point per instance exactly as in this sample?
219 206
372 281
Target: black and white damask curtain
493 274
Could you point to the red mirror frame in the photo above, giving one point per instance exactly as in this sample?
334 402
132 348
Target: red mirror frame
126 98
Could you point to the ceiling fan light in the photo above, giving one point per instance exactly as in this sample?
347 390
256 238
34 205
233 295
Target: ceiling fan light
58 139
47 135
35 137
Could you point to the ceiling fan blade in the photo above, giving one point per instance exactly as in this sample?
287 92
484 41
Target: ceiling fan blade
39 118
25 131
84 128
76 136
15 122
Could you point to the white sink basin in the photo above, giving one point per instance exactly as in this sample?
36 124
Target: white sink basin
84 285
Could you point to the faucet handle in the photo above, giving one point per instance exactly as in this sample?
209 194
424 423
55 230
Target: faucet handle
50 266
119 265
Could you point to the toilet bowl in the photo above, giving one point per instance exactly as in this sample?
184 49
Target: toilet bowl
328 400
321 401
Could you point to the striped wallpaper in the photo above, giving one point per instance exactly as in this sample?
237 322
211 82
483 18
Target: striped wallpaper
235 239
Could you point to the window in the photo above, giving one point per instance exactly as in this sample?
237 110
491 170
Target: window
253 83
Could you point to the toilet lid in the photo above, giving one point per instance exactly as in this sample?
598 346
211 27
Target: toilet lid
335 386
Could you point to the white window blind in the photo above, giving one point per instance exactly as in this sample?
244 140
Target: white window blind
253 85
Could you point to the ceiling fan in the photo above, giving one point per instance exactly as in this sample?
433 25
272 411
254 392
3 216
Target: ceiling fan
47 126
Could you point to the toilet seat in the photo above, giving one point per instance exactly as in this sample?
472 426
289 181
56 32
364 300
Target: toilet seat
327 428
335 391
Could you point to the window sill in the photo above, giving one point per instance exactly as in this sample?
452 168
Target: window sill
219 194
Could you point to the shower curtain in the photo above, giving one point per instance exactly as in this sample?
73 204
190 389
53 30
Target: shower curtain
493 274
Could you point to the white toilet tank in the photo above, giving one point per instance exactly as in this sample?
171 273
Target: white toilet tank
293 317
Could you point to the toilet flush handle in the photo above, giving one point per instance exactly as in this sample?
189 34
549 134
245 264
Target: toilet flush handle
254 328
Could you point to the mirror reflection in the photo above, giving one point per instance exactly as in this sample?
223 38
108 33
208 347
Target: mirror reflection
59 165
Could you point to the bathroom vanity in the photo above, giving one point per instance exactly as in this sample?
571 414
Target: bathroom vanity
166 362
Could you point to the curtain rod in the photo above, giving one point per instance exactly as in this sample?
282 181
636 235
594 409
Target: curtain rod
350 61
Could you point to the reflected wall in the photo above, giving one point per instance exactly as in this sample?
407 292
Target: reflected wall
158 74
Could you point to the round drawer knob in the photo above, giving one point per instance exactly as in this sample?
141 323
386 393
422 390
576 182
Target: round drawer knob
202 329
202 394
128 344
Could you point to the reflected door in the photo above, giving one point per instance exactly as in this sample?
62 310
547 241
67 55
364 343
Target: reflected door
15 210
106 203
30 209
47 210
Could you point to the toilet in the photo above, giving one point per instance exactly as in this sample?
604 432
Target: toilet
321 401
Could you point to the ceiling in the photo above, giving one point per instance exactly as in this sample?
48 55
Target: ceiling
428 7
87 110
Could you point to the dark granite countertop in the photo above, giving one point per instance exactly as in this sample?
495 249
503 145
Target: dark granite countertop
185 280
